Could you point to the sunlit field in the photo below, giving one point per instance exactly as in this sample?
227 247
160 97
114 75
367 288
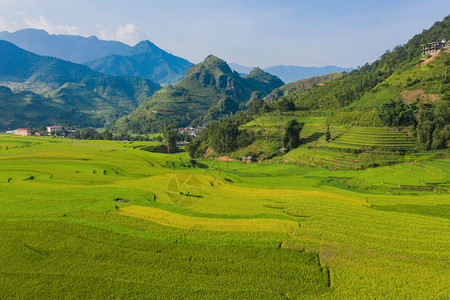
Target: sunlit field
91 219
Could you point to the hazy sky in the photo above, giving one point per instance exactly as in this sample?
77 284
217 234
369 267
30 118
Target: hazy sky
249 32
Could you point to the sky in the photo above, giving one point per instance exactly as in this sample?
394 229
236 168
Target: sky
253 33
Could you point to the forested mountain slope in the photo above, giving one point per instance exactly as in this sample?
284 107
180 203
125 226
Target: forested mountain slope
209 91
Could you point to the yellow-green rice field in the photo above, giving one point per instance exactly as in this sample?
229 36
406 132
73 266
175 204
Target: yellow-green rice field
102 219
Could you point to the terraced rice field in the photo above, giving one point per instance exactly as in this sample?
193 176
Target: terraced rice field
95 219
379 138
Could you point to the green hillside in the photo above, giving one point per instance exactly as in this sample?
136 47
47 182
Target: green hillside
27 109
209 91
393 110
399 63
423 80
73 87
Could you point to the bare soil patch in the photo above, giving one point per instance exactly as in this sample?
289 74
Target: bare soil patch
411 96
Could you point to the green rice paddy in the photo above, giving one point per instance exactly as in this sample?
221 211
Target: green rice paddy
96 219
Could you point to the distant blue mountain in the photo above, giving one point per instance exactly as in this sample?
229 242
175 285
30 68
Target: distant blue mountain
144 60
73 48
243 70
292 73
109 57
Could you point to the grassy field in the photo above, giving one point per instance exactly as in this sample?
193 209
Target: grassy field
91 219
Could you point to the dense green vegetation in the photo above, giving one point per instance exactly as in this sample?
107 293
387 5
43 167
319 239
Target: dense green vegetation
103 218
433 130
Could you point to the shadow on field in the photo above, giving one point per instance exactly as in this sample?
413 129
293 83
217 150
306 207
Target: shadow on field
313 137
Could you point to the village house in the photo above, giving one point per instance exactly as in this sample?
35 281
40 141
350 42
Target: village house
23 131
54 129
435 47
283 150
248 159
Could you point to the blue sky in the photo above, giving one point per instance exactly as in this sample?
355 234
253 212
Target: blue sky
252 33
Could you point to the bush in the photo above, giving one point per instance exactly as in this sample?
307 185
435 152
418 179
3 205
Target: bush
397 113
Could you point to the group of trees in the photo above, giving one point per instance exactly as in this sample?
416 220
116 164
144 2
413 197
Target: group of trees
223 136
433 128
430 122
397 113
91 133
258 106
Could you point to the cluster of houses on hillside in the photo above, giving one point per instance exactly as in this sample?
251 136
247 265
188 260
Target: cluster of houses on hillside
191 131
51 130
435 47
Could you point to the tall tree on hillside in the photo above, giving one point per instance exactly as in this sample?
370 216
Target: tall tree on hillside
222 136
170 139
291 137
447 64
328 134
433 128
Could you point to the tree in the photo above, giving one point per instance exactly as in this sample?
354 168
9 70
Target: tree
222 136
291 137
170 139
107 135
285 104
447 64
90 134
328 134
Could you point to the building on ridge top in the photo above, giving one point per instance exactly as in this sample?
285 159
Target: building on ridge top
435 47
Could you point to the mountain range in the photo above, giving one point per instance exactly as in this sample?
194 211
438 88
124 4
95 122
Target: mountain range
67 87
292 73
109 57
72 48
144 59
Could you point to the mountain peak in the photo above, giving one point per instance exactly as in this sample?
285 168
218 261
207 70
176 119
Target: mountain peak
143 47
212 62
213 59
256 71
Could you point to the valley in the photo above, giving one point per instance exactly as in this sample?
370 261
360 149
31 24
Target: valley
129 172
170 227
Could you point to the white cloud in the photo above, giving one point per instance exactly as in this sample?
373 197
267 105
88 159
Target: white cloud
129 34
8 25
42 22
